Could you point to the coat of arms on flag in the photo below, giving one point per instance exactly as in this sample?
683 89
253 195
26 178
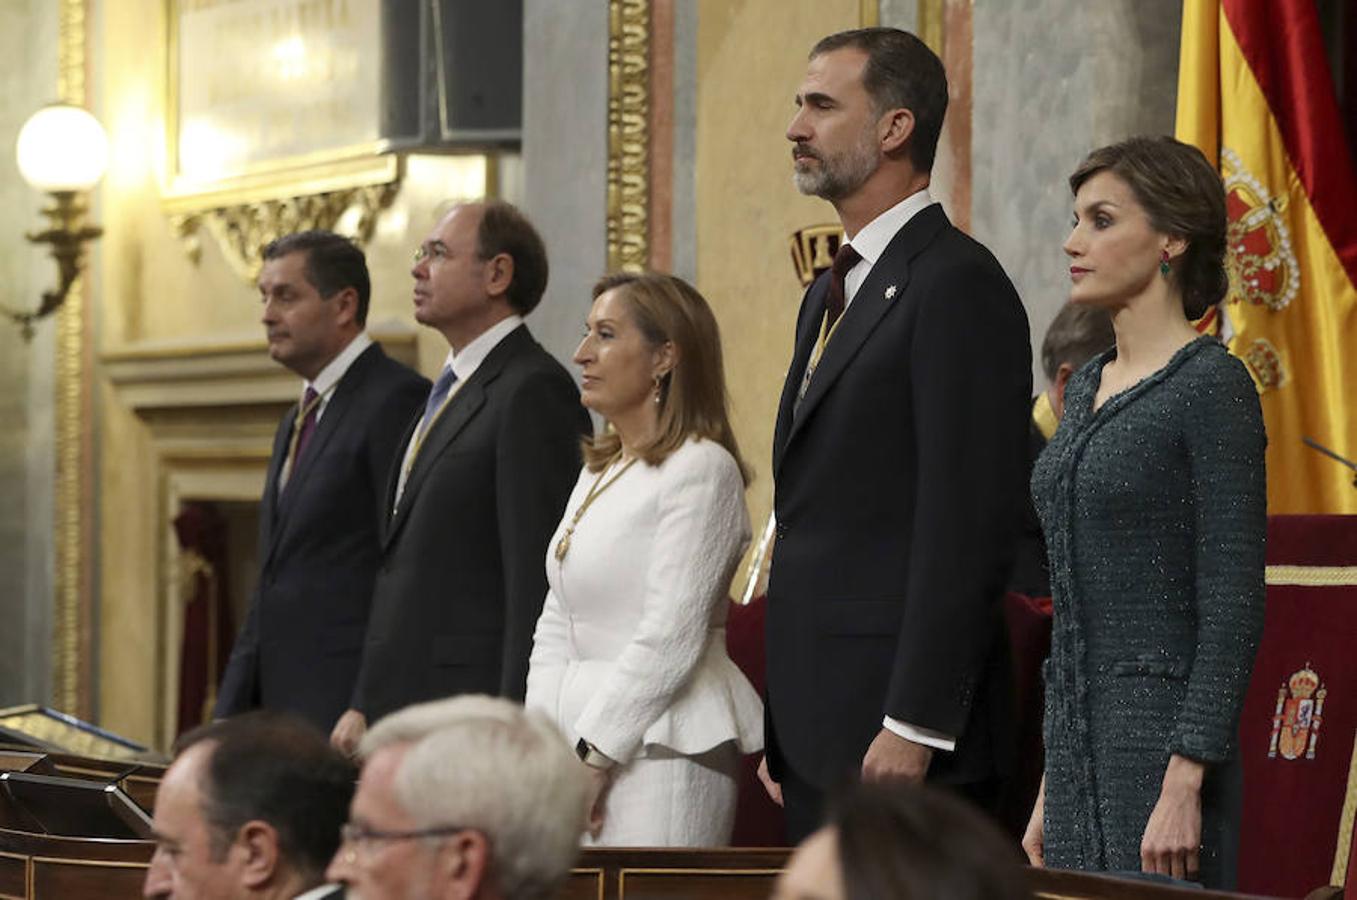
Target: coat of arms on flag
1299 713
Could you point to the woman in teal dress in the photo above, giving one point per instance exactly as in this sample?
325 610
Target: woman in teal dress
1152 494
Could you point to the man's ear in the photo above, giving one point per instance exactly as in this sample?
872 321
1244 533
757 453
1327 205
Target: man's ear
464 864
896 127
256 848
499 274
346 306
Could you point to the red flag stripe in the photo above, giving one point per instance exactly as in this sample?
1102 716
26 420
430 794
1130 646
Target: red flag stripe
1282 43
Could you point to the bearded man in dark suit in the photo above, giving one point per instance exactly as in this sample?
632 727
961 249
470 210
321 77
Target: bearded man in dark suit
481 480
321 511
898 457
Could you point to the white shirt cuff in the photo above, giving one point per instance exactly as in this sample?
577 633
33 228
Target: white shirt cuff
926 736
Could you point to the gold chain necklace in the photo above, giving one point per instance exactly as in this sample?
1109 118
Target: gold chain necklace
599 486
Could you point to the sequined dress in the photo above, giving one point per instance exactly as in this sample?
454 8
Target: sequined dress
1154 509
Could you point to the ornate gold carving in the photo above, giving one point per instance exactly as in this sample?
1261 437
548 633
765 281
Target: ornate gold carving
243 230
71 614
813 249
628 134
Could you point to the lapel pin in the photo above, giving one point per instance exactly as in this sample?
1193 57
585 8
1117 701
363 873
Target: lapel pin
890 292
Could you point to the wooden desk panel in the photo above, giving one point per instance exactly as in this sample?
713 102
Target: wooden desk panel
79 879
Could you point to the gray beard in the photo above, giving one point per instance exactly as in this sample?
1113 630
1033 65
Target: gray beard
840 178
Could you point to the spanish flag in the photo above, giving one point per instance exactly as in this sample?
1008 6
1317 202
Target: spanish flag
1255 94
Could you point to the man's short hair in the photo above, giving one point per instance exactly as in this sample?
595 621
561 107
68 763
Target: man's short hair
901 840
1077 334
901 73
485 763
504 229
333 262
280 770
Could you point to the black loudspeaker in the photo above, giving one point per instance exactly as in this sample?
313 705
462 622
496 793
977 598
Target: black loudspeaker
452 73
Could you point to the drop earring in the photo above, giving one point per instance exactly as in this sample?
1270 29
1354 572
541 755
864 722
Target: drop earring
1164 264
657 389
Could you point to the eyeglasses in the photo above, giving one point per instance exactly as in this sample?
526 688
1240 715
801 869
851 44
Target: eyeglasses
430 250
351 833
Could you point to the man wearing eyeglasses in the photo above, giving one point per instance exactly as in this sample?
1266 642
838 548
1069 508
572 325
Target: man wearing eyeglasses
470 797
480 481
251 808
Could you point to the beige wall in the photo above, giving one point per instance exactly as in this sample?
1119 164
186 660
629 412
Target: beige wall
751 56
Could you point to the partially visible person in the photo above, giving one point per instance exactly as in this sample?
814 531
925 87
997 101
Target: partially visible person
470 797
320 515
904 842
1152 495
630 653
479 482
1076 335
250 808
897 456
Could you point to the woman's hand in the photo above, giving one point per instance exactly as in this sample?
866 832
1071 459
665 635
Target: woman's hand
601 780
1173 836
1034 839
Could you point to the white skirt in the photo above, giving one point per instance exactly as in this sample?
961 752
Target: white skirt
668 799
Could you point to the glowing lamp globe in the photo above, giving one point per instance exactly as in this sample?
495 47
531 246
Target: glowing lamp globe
62 148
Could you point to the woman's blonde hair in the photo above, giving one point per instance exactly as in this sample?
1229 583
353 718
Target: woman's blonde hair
692 394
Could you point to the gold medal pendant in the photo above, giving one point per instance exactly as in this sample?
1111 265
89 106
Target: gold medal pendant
599 486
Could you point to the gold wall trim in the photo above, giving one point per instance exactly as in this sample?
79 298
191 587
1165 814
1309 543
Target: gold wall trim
931 24
72 618
628 135
243 230
869 13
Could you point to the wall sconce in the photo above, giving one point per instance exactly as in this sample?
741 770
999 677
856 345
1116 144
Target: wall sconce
62 150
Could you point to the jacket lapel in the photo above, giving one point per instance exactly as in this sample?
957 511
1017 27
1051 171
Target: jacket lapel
336 409
869 305
461 409
807 333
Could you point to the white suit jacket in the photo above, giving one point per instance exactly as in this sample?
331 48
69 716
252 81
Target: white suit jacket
630 650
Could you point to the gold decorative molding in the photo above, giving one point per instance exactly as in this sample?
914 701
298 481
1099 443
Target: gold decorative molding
72 610
243 230
628 135
932 27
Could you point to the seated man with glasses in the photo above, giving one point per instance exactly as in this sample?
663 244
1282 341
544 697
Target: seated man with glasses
251 808
467 797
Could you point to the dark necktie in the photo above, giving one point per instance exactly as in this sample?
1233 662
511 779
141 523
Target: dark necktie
844 260
310 406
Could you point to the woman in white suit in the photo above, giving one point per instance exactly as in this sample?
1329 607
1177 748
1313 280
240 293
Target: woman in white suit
629 657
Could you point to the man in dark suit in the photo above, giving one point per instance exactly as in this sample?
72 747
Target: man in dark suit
898 455
321 512
252 808
481 481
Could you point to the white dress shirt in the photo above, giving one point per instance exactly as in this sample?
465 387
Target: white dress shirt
870 243
324 385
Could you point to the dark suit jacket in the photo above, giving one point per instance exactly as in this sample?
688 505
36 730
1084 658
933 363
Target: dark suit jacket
319 545
463 571
898 481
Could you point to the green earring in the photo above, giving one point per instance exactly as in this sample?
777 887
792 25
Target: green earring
1164 265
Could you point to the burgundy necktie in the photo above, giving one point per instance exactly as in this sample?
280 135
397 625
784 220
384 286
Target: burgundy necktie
844 260
310 403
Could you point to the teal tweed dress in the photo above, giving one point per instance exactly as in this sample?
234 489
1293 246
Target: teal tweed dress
1154 509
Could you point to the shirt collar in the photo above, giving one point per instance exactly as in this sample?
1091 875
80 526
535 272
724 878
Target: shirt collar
877 234
323 890
466 362
334 370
